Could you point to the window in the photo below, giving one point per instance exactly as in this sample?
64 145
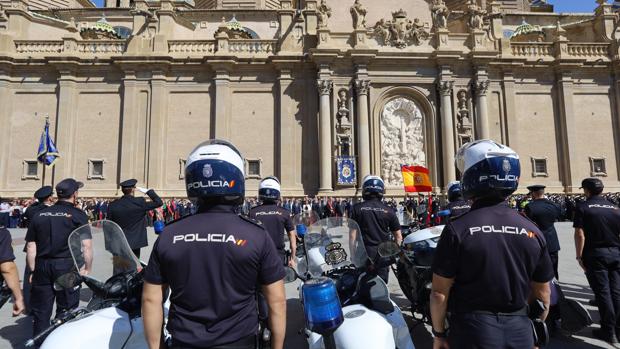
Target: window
539 167
253 168
30 169
95 169
182 163
597 167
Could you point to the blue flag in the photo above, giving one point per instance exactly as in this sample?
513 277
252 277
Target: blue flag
47 149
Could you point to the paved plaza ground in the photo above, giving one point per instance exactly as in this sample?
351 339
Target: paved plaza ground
15 331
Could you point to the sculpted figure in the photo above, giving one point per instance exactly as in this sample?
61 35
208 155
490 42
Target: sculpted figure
440 14
476 14
324 13
382 29
358 12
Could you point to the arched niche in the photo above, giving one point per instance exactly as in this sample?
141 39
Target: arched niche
402 133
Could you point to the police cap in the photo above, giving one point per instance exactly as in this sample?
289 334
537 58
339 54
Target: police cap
536 187
43 193
67 187
130 183
592 184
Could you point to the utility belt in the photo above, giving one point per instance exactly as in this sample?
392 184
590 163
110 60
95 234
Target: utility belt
521 312
243 343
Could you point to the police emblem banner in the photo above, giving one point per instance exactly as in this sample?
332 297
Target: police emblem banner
346 170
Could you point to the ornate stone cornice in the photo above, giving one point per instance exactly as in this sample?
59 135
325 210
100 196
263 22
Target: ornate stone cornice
445 87
362 87
481 87
325 86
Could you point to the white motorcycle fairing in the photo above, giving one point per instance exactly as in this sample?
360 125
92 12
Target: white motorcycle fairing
425 234
102 329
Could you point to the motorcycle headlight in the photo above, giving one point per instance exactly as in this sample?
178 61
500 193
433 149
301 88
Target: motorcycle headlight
418 246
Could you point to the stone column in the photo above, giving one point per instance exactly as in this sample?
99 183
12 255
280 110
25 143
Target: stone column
362 87
481 88
568 131
222 97
66 123
511 110
129 129
447 130
5 121
157 141
325 135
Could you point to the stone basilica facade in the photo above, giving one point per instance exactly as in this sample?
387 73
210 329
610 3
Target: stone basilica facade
131 88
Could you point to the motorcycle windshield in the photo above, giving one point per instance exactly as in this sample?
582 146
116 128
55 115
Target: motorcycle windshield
101 249
306 218
333 243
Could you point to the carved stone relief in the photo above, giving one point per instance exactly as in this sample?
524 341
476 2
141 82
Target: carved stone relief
358 12
402 138
400 31
343 123
463 116
440 14
475 16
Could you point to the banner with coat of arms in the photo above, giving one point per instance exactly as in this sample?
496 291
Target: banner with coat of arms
346 170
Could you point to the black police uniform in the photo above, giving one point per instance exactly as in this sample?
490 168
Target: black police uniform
545 213
129 213
458 208
30 213
50 230
600 221
492 253
277 221
377 221
6 249
212 262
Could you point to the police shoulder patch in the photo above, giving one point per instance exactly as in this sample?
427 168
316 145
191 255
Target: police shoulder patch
251 220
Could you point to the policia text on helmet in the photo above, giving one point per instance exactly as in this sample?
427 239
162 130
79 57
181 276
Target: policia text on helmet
477 252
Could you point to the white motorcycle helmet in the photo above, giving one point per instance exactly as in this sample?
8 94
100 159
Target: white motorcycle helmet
269 189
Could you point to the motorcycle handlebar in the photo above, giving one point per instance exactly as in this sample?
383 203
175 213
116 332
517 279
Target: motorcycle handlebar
38 339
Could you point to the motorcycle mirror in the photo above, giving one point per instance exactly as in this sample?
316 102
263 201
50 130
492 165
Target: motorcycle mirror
388 249
291 275
67 281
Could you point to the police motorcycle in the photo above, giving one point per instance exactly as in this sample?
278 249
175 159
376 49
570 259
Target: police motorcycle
346 305
112 317
302 222
413 269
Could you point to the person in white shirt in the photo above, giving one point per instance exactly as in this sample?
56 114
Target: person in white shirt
5 210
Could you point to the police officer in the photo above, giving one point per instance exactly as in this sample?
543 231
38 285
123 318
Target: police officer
129 212
44 200
211 263
597 244
8 270
456 204
376 220
275 219
48 253
545 213
490 260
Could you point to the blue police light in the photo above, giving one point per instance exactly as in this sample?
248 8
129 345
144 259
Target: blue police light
321 306
301 230
158 226
443 213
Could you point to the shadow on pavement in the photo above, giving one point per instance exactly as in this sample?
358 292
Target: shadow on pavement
17 333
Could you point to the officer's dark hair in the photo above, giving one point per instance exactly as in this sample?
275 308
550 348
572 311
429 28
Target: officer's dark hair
127 190
595 191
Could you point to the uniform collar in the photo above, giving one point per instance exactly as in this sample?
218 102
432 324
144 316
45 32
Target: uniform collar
218 209
487 203
64 203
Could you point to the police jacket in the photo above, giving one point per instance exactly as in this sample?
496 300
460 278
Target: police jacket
32 210
129 213
545 213
376 221
458 208
50 229
600 221
493 254
276 220
213 262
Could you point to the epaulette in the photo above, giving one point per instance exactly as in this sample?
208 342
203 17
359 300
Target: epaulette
251 220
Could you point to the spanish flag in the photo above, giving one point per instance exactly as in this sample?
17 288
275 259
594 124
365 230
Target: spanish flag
416 179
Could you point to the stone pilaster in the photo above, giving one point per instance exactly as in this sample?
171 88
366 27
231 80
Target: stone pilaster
447 130
66 124
130 127
222 99
5 121
288 149
362 88
568 131
157 141
510 104
325 88
481 89
616 117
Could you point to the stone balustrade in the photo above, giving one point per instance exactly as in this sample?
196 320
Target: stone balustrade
192 46
101 46
588 50
252 47
531 49
38 46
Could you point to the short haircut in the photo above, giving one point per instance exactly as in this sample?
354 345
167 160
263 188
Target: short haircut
127 190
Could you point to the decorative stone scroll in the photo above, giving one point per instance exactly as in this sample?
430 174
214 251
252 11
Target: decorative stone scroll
400 31
402 138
